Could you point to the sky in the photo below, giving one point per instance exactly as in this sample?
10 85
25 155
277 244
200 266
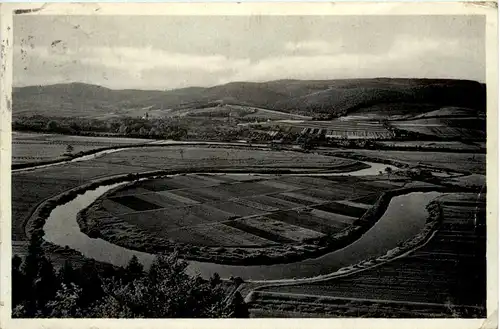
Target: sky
168 52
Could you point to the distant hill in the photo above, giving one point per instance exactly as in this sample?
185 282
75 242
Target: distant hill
381 96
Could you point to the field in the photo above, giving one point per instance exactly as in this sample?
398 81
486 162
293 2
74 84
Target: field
445 277
263 219
182 157
27 192
311 197
32 187
230 211
30 147
450 111
459 162
266 218
436 146
351 129
470 128
237 111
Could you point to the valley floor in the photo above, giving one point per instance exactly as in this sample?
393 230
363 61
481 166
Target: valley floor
445 277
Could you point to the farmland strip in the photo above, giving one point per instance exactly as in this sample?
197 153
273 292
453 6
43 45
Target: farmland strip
211 214
333 216
289 198
160 200
115 207
301 196
306 220
188 235
158 185
342 209
322 194
380 185
220 178
131 191
203 194
255 231
246 189
229 236
280 185
135 203
314 182
256 205
236 208
178 197
369 199
208 178
244 178
275 202
287 230
355 204
161 221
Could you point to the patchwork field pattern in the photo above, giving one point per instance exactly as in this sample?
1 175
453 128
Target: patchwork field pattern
228 210
32 187
351 129
414 284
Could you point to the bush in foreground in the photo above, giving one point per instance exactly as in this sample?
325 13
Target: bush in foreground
164 291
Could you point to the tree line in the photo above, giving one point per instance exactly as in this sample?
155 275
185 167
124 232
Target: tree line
127 126
154 128
165 290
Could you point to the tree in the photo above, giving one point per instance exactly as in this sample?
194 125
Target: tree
89 280
67 274
134 270
166 291
215 280
123 129
308 143
153 132
238 308
69 149
46 285
18 281
40 281
75 127
52 125
30 272
388 171
65 302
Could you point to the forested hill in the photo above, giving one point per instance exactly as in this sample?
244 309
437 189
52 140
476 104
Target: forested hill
308 97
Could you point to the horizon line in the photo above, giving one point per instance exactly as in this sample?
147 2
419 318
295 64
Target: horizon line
240 81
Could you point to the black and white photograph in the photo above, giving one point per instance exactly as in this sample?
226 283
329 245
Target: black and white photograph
273 165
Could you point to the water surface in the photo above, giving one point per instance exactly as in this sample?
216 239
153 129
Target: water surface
405 217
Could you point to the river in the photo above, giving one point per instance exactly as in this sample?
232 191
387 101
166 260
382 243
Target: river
404 217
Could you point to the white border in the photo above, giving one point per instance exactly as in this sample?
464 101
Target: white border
489 9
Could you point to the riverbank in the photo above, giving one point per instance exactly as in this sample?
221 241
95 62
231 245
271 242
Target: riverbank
97 223
35 222
289 254
205 268
416 281
402 250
